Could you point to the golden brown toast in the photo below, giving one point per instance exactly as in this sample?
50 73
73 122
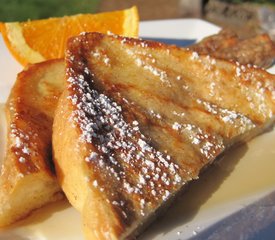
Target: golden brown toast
27 179
138 120
258 50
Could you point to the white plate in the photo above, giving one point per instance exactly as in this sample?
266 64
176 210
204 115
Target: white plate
227 187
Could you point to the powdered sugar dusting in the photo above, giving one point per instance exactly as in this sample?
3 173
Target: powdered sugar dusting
176 126
121 148
148 62
235 119
195 56
208 144
154 114
22 141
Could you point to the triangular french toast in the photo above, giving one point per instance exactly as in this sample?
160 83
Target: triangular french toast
138 120
27 179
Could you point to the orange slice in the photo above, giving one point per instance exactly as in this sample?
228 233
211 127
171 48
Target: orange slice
39 40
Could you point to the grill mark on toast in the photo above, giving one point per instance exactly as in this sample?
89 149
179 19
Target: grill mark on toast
145 120
245 81
222 111
200 106
117 88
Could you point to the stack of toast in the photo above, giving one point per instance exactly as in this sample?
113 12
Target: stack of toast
129 124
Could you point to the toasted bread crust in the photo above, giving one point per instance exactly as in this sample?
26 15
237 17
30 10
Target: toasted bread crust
140 119
27 178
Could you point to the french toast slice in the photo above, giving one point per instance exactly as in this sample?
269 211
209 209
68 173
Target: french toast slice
27 179
138 120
